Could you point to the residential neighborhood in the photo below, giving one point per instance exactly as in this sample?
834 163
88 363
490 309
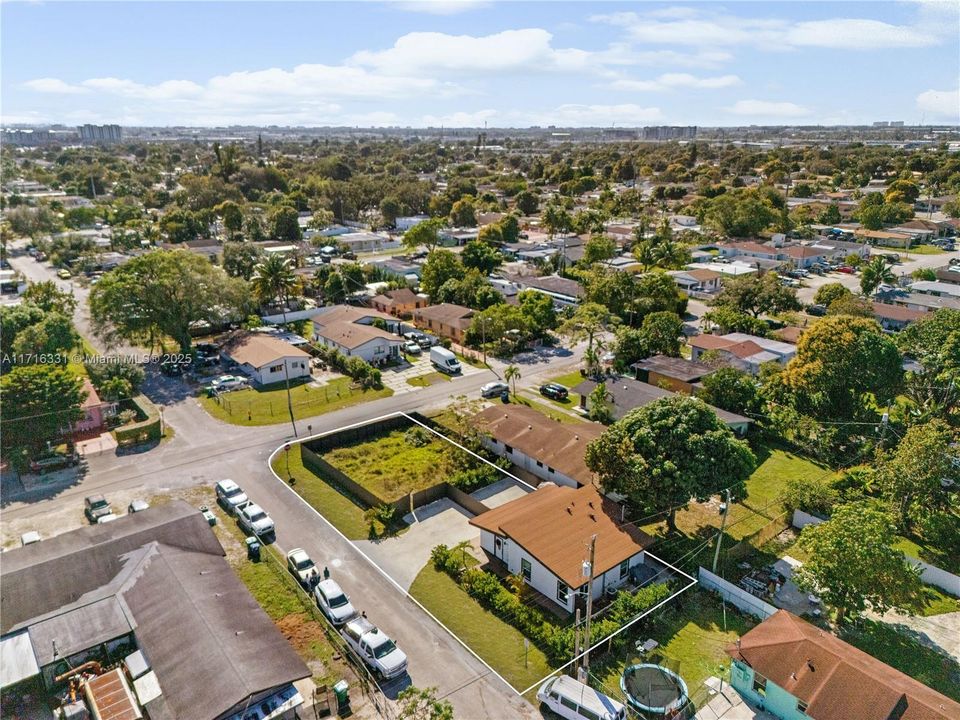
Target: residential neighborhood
484 361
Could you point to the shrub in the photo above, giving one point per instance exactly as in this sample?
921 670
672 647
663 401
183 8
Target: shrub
812 495
416 437
439 556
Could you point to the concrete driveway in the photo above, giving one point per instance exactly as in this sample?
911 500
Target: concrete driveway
440 522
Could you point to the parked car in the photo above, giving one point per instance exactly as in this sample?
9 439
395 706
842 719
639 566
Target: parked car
373 646
412 348
573 700
412 335
54 462
64 274
301 566
109 517
554 391
173 368
333 602
137 506
254 520
231 496
817 310
96 507
428 341
891 257
846 269
226 383
493 389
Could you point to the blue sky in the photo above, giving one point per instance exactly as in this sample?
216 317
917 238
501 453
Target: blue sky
461 63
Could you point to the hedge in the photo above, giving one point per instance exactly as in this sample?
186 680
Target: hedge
144 431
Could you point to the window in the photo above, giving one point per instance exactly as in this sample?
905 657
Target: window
567 703
275 368
624 569
562 591
588 714
550 469
759 684
525 569
802 706
539 464
508 448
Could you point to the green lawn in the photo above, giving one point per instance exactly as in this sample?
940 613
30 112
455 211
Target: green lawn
938 602
692 640
268 406
568 380
390 466
335 505
546 407
915 250
428 379
949 561
498 643
906 655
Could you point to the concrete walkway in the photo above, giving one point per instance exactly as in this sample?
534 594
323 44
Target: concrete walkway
939 632
441 522
729 705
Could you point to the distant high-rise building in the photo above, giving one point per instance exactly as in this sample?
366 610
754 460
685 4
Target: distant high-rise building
28 138
100 133
670 132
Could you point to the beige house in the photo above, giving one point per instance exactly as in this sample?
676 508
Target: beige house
446 320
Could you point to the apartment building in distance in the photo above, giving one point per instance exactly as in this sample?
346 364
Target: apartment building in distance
100 133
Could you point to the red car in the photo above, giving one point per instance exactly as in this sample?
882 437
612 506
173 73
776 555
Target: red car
846 269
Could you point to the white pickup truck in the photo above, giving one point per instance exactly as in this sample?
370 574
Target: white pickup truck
377 650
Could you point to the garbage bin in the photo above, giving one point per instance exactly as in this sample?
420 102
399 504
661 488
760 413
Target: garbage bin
253 549
341 693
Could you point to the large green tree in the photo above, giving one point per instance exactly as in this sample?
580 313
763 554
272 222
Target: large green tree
285 224
853 565
662 455
731 389
40 401
843 368
481 256
161 294
49 298
756 295
50 339
424 234
241 258
441 266
587 322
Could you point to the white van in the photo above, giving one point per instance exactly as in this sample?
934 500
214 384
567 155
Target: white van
575 701
444 360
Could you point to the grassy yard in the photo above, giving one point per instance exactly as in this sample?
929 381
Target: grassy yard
268 406
949 561
428 379
546 408
279 596
335 505
906 655
498 643
692 641
938 602
390 466
915 250
775 468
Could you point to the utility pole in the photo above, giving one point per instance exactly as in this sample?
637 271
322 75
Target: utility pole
586 643
576 640
723 524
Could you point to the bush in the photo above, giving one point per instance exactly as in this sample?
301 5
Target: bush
380 520
814 496
440 555
416 437
474 478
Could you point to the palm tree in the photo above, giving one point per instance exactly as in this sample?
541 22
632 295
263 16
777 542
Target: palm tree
273 280
511 375
874 274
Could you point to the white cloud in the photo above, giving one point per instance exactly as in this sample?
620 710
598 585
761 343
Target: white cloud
767 109
940 103
526 50
459 119
53 85
686 26
441 7
672 81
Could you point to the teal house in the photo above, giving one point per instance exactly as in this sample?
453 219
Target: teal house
797 671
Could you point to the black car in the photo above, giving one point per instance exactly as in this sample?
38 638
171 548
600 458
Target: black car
554 391
817 310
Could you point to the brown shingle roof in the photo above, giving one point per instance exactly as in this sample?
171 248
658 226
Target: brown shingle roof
789 334
706 341
702 274
896 312
797 251
677 368
259 349
558 446
446 313
353 335
744 349
554 523
835 679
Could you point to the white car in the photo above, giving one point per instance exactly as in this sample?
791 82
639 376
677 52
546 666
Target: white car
573 700
254 520
333 602
300 565
373 646
412 348
493 389
231 496
226 383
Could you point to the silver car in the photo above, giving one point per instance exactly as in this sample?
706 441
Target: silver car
333 602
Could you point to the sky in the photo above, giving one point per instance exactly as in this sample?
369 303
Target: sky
461 63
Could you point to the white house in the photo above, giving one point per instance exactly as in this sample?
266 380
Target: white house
351 331
406 222
543 537
266 359
746 352
540 446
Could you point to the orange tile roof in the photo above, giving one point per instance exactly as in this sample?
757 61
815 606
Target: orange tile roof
705 341
554 524
259 349
835 679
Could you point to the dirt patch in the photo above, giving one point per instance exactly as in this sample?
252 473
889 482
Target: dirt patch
302 632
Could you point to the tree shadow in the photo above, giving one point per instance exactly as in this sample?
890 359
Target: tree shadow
31 488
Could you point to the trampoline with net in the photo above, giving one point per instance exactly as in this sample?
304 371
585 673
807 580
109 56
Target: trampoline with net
653 688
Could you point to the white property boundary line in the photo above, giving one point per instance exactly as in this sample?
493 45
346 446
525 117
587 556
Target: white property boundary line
281 448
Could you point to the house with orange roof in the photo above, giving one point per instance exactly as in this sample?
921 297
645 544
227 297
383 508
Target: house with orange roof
95 413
